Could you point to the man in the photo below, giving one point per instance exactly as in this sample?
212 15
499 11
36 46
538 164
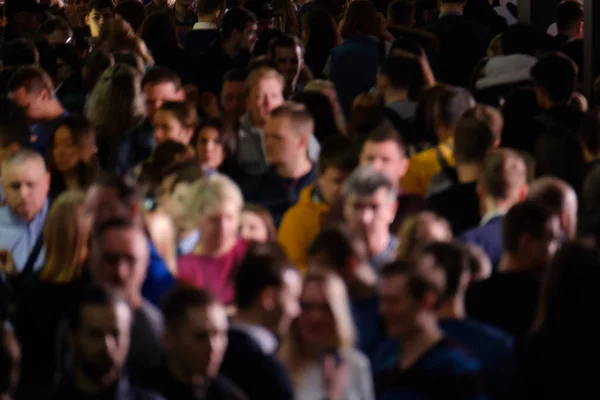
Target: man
16 53
159 5
206 30
267 292
233 95
99 11
560 198
160 85
385 152
408 305
478 133
14 136
369 209
303 221
569 22
25 185
463 44
401 21
31 89
450 263
231 50
184 16
195 342
287 53
449 108
530 235
98 331
503 184
287 136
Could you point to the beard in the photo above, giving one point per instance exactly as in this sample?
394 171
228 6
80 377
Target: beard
99 368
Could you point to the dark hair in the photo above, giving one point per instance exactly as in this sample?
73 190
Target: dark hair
337 245
557 74
166 158
236 18
19 52
527 217
124 185
558 153
285 41
188 175
323 115
424 121
14 130
453 259
338 152
159 33
54 24
403 72
227 136
95 296
262 267
183 111
417 285
360 17
520 38
179 300
100 4
207 7
32 78
387 135
101 228
235 75
322 34
401 12
473 139
452 104
158 75
568 13
95 64
266 217
132 11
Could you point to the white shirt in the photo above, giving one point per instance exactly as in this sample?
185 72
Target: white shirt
202 25
265 339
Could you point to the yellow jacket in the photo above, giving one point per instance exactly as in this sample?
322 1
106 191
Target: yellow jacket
301 224
424 166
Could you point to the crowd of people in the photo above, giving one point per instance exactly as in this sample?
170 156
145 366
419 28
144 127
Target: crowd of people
296 200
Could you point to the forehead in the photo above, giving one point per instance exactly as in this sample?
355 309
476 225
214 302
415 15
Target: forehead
225 207
281 124
98 195
313 290
385 148
268 83
164 115
163 89
28 169
213 316
288 51
233 86
393 284
379 196
105 316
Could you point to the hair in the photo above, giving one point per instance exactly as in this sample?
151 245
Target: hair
365 115
452 104
227 135
360 17
424 121
283 41
379 136
411 241
568 14
473 140
262 73
126 188
338 246
297 113
339 152
263 266
235 75
168 156
288 19
54 24
133 12
504 173
452 258
209 7
118 223
158 75
19 52
33 79
527 217
14 130
159 33
187 175
116 104
403 72
557 75
176 304
65 239
365 181
94 296
417 285
183 112
551 192
210 192
100 4
320 85
236 19
116 35
266 217
320 36
322 112
401 12
95 64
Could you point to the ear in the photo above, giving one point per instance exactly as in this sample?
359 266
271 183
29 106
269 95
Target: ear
267 298
87 20
480 192
523 193
430 301
580 29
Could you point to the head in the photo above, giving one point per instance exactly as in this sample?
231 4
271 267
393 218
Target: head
95 65
239 27
32 90
360 18
369 203
319 30
477 133
448 109
167 158
113 196
402 13
20 52
287 134
211 8
264 93
10 354
385 152
408 301
337 160
160 85
399 74
233 96
257 225
133 12
268 285
560 198
25 183
419 230
216 142
175 120
554 77
14 136
74 144
328 89
569 18
99 11
287 53
531 234
57 31
99 326
195 337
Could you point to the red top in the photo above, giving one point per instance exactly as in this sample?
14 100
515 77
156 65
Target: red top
213 273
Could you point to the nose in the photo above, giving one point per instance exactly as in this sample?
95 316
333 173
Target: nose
376 164
267 102
24 191
366 216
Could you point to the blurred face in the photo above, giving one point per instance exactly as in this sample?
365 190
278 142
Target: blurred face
288 300
102 204
385 157
32 104
397 308
541 250
331 184
233 100
157 94
198 345
253 228
264 97
96 18
266 23
248 37
176 206
101 342
315 322
65 150
369 215
168 127
282 144
289 62
209 148
220 225
25 188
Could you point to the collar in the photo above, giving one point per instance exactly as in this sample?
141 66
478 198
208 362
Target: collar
487 218
264 338
203 25
449 13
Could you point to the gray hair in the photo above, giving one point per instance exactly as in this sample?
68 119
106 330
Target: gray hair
365 181
21 157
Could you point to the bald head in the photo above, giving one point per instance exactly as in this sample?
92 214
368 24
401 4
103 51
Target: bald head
504 177
560 199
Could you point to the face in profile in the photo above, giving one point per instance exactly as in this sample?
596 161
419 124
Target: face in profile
288 298
282 142
253 227
315 323
248 37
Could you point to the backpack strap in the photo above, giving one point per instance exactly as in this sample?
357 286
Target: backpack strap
400 124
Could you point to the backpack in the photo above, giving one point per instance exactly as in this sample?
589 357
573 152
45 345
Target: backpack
445 179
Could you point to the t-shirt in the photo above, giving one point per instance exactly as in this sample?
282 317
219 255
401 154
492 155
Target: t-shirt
42 133
424 166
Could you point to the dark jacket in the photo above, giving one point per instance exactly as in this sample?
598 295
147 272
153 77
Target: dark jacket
198 41
488 237
123 390
215 63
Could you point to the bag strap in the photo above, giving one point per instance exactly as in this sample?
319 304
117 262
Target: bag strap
33 256
441 159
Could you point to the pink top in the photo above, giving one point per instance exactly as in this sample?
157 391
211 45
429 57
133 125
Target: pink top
213 273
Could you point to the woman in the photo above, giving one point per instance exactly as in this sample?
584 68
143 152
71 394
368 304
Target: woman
257 224
214 207
323 335
72 162
288 18
175 121
216 146
117 35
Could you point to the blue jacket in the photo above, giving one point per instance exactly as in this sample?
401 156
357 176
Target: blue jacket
158 279
488 237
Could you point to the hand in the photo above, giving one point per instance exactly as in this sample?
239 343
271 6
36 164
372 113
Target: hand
7 263
336 377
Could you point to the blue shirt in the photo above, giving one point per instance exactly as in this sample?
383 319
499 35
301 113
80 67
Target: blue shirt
42 133
386 256
369 325
19 237
158 279
188 244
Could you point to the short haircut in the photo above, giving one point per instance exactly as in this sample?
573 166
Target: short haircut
236 18
401 12
283 41
453 259
33 79
365 181
54 24
176 304
338 246
568 13
338 152
387 135
101 5
119 223
183 111
235 75
94 296
21 156
551 193
417 285
263 266
473 140
557 74
158 75
14 131
125 186
299 116
527 217
504 173
402 71
208 7
19 52
262 73
451 104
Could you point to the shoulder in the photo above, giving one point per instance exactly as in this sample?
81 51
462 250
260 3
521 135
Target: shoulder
152 315
225 389
453 358
145 394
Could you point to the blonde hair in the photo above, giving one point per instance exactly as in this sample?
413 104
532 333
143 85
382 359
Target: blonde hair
260 74
411 242
293 350
207 193
65 239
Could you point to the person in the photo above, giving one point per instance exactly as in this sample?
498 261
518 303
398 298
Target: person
530 236
175 121
287 53
409 304
323 332
10 353
206 30
31 89
216 147
233 96
319 106
99 325
267 291
402 20
418 231
195 342
56 31
25 183
160 85
319 37
569 23
560 198
301 222
14 136
369 209
450 262
396 79
99 11
287 137
214 206
256 224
